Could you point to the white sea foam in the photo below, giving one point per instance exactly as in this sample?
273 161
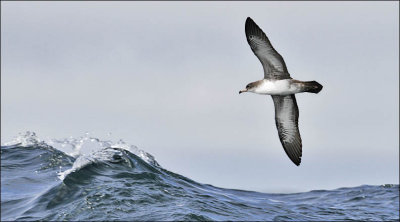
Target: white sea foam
83 160
85 149
27 138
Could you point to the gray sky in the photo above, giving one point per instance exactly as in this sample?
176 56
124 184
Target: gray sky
165 76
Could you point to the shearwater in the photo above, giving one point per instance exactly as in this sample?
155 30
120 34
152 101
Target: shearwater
278 83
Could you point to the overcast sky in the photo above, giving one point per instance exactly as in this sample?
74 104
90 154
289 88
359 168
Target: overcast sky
165 77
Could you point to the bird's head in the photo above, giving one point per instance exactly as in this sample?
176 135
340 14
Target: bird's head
249 88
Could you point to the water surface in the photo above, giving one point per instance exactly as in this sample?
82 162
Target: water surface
90 179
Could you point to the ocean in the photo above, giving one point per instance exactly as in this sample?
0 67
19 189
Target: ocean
87 178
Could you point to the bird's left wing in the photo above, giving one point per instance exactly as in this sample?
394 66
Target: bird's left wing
272 62
286 119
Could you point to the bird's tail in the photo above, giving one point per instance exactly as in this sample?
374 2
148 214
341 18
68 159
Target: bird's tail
312 87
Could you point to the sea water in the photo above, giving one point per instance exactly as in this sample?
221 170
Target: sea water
90 179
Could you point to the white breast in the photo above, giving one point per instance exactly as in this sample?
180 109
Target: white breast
276 87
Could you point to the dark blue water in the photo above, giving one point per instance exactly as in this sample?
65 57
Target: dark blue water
89 179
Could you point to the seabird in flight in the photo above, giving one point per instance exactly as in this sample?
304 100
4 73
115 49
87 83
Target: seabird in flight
278 83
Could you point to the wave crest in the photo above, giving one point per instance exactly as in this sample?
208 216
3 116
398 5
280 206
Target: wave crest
85 149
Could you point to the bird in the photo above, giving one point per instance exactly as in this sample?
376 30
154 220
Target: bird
282 88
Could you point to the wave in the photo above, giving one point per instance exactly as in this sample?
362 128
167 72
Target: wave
90 179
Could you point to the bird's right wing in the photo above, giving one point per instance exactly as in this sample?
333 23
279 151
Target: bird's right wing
272 62
286 118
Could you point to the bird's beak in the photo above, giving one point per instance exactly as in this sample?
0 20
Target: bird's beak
241 91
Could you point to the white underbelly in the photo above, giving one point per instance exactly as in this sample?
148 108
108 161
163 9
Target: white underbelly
277 87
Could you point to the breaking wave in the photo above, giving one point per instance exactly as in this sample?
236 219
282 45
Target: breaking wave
89 179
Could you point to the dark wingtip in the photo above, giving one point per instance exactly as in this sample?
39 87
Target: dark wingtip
295 159
249 21
296 162
251 28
